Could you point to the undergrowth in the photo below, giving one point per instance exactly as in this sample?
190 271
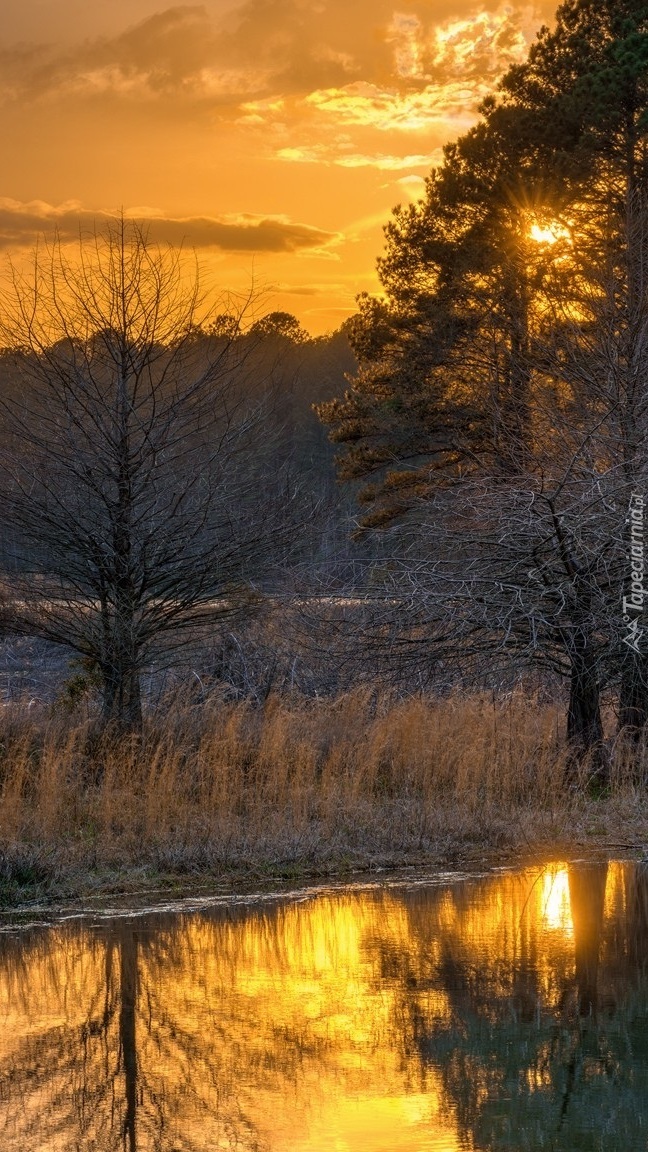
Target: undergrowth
297 784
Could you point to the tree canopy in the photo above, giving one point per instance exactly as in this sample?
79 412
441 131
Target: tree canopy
505 361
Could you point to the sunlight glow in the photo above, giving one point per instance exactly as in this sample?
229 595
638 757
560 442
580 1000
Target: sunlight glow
556 906
548 233
488 37
366 105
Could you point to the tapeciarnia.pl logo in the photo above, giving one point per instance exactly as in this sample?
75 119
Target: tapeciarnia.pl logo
633 604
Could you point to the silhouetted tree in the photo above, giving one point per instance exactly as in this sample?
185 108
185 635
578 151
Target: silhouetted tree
129 471
280 324
513 373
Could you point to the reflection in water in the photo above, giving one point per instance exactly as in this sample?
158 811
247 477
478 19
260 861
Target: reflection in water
556 902
504 1012
586 897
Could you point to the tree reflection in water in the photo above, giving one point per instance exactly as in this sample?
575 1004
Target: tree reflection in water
498 1013
535 1054
96 1061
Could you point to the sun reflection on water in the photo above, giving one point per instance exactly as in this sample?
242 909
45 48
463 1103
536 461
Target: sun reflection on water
357 1019
556 905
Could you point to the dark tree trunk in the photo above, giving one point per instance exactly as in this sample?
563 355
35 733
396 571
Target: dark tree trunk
120 668
122 699
122 705
637 918
586 896
513 435
127 1034
122 696
584 724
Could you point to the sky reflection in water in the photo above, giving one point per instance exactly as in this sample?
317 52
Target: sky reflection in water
502 1012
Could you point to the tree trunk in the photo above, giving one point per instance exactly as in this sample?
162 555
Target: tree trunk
637 919
587 896
584 724
515 410
122 697
127 1034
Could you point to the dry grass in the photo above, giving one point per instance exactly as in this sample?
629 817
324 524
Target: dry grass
298 784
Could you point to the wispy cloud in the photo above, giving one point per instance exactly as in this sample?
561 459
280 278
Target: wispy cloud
317 289
327 154
388 110
21 224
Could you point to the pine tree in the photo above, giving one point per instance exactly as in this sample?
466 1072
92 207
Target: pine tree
503 361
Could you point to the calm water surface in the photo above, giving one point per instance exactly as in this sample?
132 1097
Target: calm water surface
507 1011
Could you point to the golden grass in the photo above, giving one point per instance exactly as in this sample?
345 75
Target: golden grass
319 784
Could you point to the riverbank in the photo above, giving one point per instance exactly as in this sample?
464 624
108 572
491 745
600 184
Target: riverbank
300 788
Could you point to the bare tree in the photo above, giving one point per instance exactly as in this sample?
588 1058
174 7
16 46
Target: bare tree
132 459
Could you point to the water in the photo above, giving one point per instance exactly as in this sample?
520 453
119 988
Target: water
503 1011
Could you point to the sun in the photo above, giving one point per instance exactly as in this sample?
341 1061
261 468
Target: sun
548 233
542 235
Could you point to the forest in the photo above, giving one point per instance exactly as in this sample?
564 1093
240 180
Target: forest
279 602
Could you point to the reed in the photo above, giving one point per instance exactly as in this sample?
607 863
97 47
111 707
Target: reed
357 781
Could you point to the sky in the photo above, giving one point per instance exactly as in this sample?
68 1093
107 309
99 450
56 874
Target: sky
274 137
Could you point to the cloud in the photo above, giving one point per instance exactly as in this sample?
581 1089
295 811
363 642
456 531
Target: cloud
388 110
417 75
325 154
413 185
411 179
318 44
267 48
22 224
175 53
244 233
317 289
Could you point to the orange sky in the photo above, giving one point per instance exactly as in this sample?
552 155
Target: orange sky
274 136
